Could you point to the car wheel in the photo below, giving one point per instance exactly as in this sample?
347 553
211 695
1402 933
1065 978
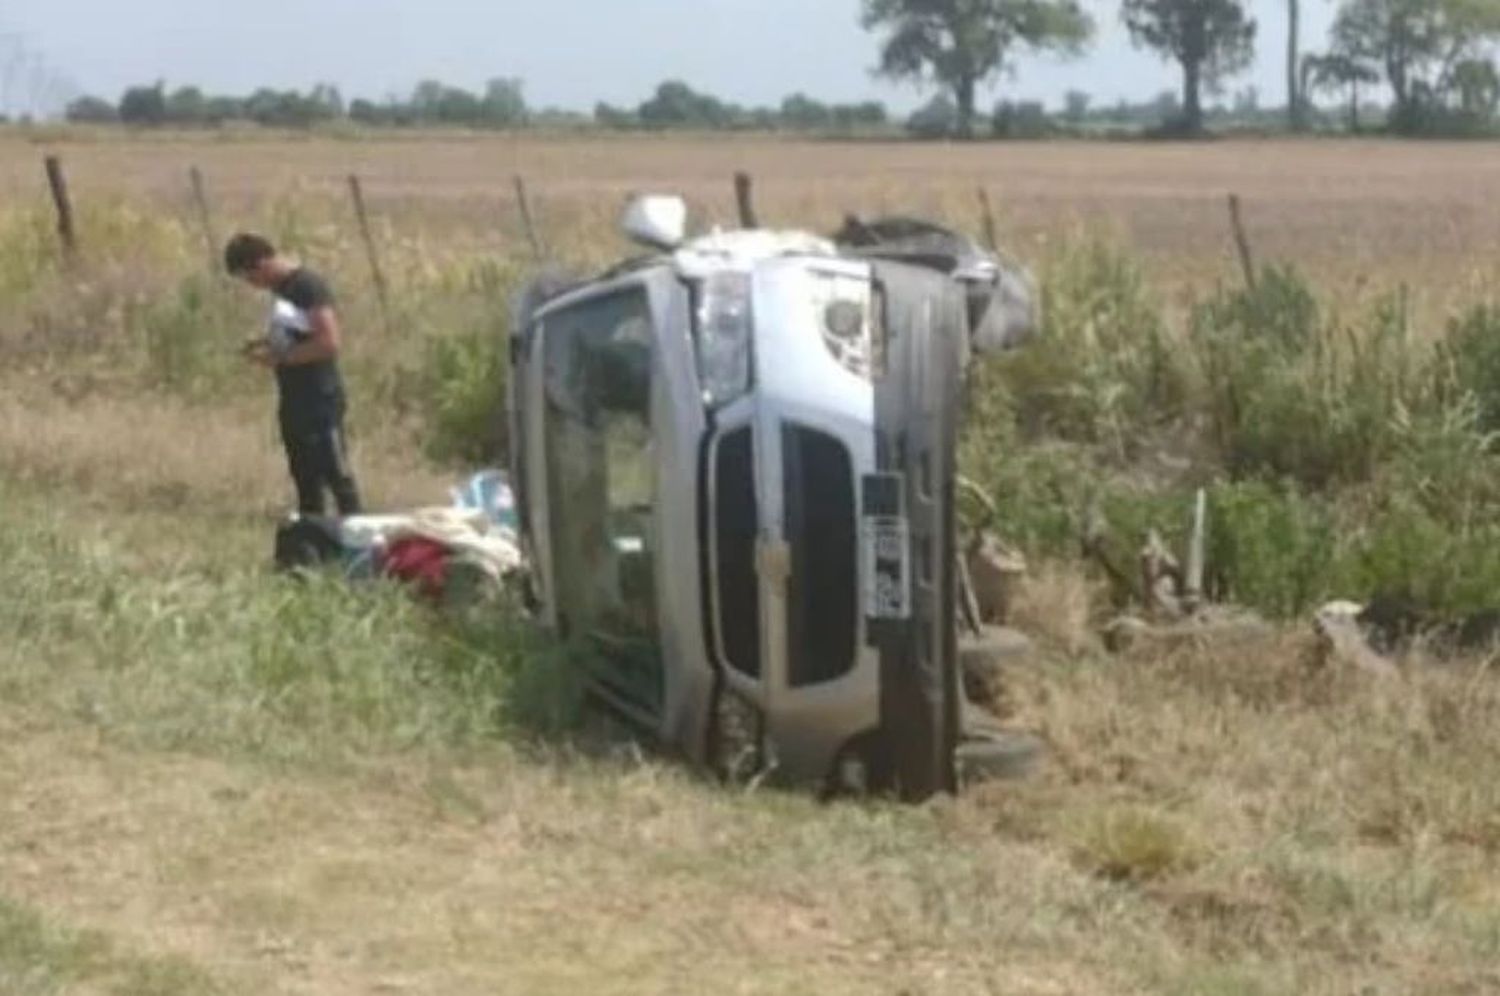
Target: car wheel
997 755
984 659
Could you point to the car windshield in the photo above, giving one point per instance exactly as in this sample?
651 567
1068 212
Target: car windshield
603 484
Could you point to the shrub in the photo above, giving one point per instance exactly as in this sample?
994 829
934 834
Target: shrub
465 391
1270 546
1290 393
1104 370
191 335
465 370
1408 554
1469 361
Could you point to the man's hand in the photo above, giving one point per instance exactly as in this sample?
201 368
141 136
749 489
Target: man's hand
258 351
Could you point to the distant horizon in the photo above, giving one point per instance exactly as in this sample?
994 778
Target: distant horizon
1222 101
748 52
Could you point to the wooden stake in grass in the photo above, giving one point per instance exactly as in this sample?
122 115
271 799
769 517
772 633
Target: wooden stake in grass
1241 240
532 236
58 181
744 196
205 218
987 217
1192 593
382 293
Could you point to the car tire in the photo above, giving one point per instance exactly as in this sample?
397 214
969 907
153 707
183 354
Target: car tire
984 659
997 755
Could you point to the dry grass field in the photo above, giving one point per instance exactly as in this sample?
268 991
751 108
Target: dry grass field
212 783
1351 210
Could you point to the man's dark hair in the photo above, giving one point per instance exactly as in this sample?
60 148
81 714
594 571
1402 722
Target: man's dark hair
246 251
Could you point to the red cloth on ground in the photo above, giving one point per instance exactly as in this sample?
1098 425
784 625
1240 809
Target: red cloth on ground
419 561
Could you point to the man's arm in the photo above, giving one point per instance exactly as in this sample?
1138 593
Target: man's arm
322 344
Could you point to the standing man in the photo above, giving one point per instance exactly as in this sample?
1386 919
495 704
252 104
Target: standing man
302 347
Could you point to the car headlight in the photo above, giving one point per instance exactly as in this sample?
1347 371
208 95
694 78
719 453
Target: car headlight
849 317
725 324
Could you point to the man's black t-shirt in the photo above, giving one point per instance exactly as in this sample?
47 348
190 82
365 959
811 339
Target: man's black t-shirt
311 391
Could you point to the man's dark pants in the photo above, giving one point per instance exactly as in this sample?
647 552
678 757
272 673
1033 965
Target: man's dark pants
318 457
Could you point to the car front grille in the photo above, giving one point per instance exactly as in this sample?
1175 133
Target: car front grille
822 602
736 529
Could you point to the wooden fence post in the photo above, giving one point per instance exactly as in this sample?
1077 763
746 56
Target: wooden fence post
1241 240
205 218
382 292
987 217
744 195
532 235
58 181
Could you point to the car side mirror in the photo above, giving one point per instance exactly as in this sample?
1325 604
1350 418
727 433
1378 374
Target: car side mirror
1011 315
656 220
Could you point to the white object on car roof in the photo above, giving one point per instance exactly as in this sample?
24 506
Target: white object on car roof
656 220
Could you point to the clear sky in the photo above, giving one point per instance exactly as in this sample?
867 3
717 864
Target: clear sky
570 52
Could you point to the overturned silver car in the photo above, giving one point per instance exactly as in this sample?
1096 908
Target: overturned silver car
734 462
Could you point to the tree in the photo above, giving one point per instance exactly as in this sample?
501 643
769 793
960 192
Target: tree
92 110
505 103
1027 119
144 105
433 102
1296 98
801 112
330 99
938 119
960 44
1165 106
1419 45
285 109
870 114
1247 102
221 109
1209 39
677 105
614 118
1337 71
1478 88
367 112
187 106
1076 106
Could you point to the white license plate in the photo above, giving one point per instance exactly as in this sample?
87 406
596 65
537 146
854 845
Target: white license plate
887 556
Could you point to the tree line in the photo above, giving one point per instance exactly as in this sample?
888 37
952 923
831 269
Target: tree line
1435 57
501 105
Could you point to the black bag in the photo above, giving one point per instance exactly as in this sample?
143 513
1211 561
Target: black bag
307 542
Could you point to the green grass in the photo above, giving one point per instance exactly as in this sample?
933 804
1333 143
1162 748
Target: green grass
396 797
39 958
1201 827
239 661
1345 456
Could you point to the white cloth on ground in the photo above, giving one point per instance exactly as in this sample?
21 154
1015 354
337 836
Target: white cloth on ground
469 533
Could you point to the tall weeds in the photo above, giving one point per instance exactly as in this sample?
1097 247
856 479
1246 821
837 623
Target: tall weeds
1347 455
1349 452
141 311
